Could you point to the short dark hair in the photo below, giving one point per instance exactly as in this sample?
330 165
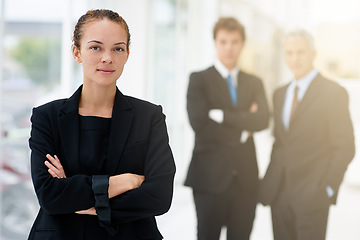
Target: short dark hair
230 24
98 14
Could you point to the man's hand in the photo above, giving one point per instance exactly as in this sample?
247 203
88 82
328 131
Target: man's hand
253 109
216 115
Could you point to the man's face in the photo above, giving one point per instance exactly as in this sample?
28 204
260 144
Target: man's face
299 56
229 45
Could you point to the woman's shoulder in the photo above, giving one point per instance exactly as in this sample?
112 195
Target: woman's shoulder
52 104
140 103
50 108
143 107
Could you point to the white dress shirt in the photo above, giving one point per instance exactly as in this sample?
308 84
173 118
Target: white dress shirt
224 72
218 114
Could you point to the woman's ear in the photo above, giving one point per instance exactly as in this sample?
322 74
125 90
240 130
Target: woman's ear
76 54
128 53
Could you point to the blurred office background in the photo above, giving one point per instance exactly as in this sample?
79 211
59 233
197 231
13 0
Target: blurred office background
170 39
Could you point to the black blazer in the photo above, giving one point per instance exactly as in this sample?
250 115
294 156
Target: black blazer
138 144
317 148
218 155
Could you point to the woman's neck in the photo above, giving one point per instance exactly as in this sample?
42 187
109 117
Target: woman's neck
97 101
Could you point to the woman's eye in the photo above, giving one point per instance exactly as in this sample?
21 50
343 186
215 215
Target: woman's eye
119 49
95 48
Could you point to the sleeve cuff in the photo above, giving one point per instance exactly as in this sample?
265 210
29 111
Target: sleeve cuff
100 186
330 192
217 115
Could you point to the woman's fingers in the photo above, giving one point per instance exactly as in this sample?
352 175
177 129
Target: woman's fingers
51 169
55 161
60 167
142 179
55 167
137 179
52 173
90 211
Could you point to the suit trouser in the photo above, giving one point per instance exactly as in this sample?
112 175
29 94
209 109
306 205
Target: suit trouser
234 208
292 220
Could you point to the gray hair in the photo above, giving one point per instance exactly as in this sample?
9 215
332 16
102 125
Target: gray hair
302 33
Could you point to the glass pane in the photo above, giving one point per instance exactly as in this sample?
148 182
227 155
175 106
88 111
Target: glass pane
31 70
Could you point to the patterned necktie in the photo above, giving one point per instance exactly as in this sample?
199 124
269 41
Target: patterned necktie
294 103
232 90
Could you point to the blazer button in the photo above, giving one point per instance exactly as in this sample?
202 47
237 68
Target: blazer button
234 172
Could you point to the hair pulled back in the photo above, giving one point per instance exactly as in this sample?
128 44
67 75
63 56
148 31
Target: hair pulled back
98 14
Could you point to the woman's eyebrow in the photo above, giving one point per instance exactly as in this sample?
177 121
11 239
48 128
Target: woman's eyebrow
95 41
120 43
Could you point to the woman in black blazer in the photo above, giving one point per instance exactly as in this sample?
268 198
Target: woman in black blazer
101 164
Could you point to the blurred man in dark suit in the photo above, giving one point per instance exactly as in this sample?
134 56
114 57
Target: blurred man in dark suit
313 146
224 106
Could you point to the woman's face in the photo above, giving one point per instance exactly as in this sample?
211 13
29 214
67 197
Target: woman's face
103 52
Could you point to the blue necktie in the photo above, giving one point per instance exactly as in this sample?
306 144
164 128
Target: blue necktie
232 90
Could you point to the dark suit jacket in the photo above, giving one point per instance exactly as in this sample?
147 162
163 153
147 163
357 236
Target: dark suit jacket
138 144
218 155
317 148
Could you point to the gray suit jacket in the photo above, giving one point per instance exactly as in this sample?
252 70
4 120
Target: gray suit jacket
317 148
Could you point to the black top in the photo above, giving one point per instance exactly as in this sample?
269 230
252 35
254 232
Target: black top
94 142
94 133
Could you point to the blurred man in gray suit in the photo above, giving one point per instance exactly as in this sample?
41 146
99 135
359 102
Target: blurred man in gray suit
313 146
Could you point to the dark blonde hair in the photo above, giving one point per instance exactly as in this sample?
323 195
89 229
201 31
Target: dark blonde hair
98 14
230 24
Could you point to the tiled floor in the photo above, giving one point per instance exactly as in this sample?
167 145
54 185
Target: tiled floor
344 219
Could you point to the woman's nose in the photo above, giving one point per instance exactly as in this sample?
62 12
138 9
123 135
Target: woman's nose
106 57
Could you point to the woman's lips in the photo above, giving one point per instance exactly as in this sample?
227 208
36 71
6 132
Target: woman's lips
105 71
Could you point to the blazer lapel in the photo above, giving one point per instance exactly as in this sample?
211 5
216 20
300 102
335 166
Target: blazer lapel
221 86
243 94
278 114
69 130
309 98
119 131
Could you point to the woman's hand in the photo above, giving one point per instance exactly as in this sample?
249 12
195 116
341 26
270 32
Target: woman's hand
121 183
55 167
90 211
